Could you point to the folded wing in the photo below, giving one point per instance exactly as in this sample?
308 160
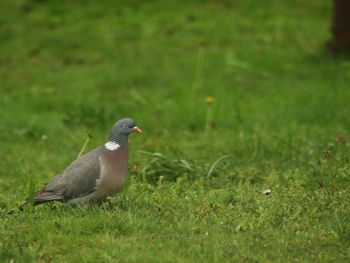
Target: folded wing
78 179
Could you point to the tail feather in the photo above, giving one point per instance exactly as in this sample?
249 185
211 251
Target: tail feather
41 198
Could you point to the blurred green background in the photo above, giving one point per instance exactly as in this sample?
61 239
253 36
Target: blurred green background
73 68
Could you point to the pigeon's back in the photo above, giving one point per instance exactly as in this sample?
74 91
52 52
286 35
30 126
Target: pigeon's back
77 179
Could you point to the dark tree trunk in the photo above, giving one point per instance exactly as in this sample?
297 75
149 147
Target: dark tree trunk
340 43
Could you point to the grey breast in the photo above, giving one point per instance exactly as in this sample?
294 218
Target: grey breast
114 170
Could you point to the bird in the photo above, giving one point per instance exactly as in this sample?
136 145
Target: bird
94 176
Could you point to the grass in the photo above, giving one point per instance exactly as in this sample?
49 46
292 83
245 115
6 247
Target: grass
279 120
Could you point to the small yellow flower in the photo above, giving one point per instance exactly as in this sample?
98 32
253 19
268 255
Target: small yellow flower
209 100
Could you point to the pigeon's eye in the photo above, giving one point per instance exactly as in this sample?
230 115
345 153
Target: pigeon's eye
125 126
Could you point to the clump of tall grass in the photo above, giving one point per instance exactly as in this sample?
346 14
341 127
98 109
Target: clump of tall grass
160 168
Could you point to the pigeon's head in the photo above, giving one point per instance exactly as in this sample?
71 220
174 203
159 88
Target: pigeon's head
123 128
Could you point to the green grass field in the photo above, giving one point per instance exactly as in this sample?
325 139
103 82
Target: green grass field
280 121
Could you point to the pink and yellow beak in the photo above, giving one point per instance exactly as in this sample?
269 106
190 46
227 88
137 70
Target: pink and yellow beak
136 129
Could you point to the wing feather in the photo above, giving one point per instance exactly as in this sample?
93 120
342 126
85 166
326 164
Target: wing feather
77 179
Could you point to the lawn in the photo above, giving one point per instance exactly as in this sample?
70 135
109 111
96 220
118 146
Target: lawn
279 120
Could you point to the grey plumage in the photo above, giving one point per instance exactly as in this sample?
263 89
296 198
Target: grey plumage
95 175
77 179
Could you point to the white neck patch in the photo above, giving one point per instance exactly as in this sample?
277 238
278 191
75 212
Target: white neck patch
112 146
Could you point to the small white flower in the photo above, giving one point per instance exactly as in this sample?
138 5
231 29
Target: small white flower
266 191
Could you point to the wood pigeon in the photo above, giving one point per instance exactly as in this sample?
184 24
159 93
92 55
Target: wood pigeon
95 175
